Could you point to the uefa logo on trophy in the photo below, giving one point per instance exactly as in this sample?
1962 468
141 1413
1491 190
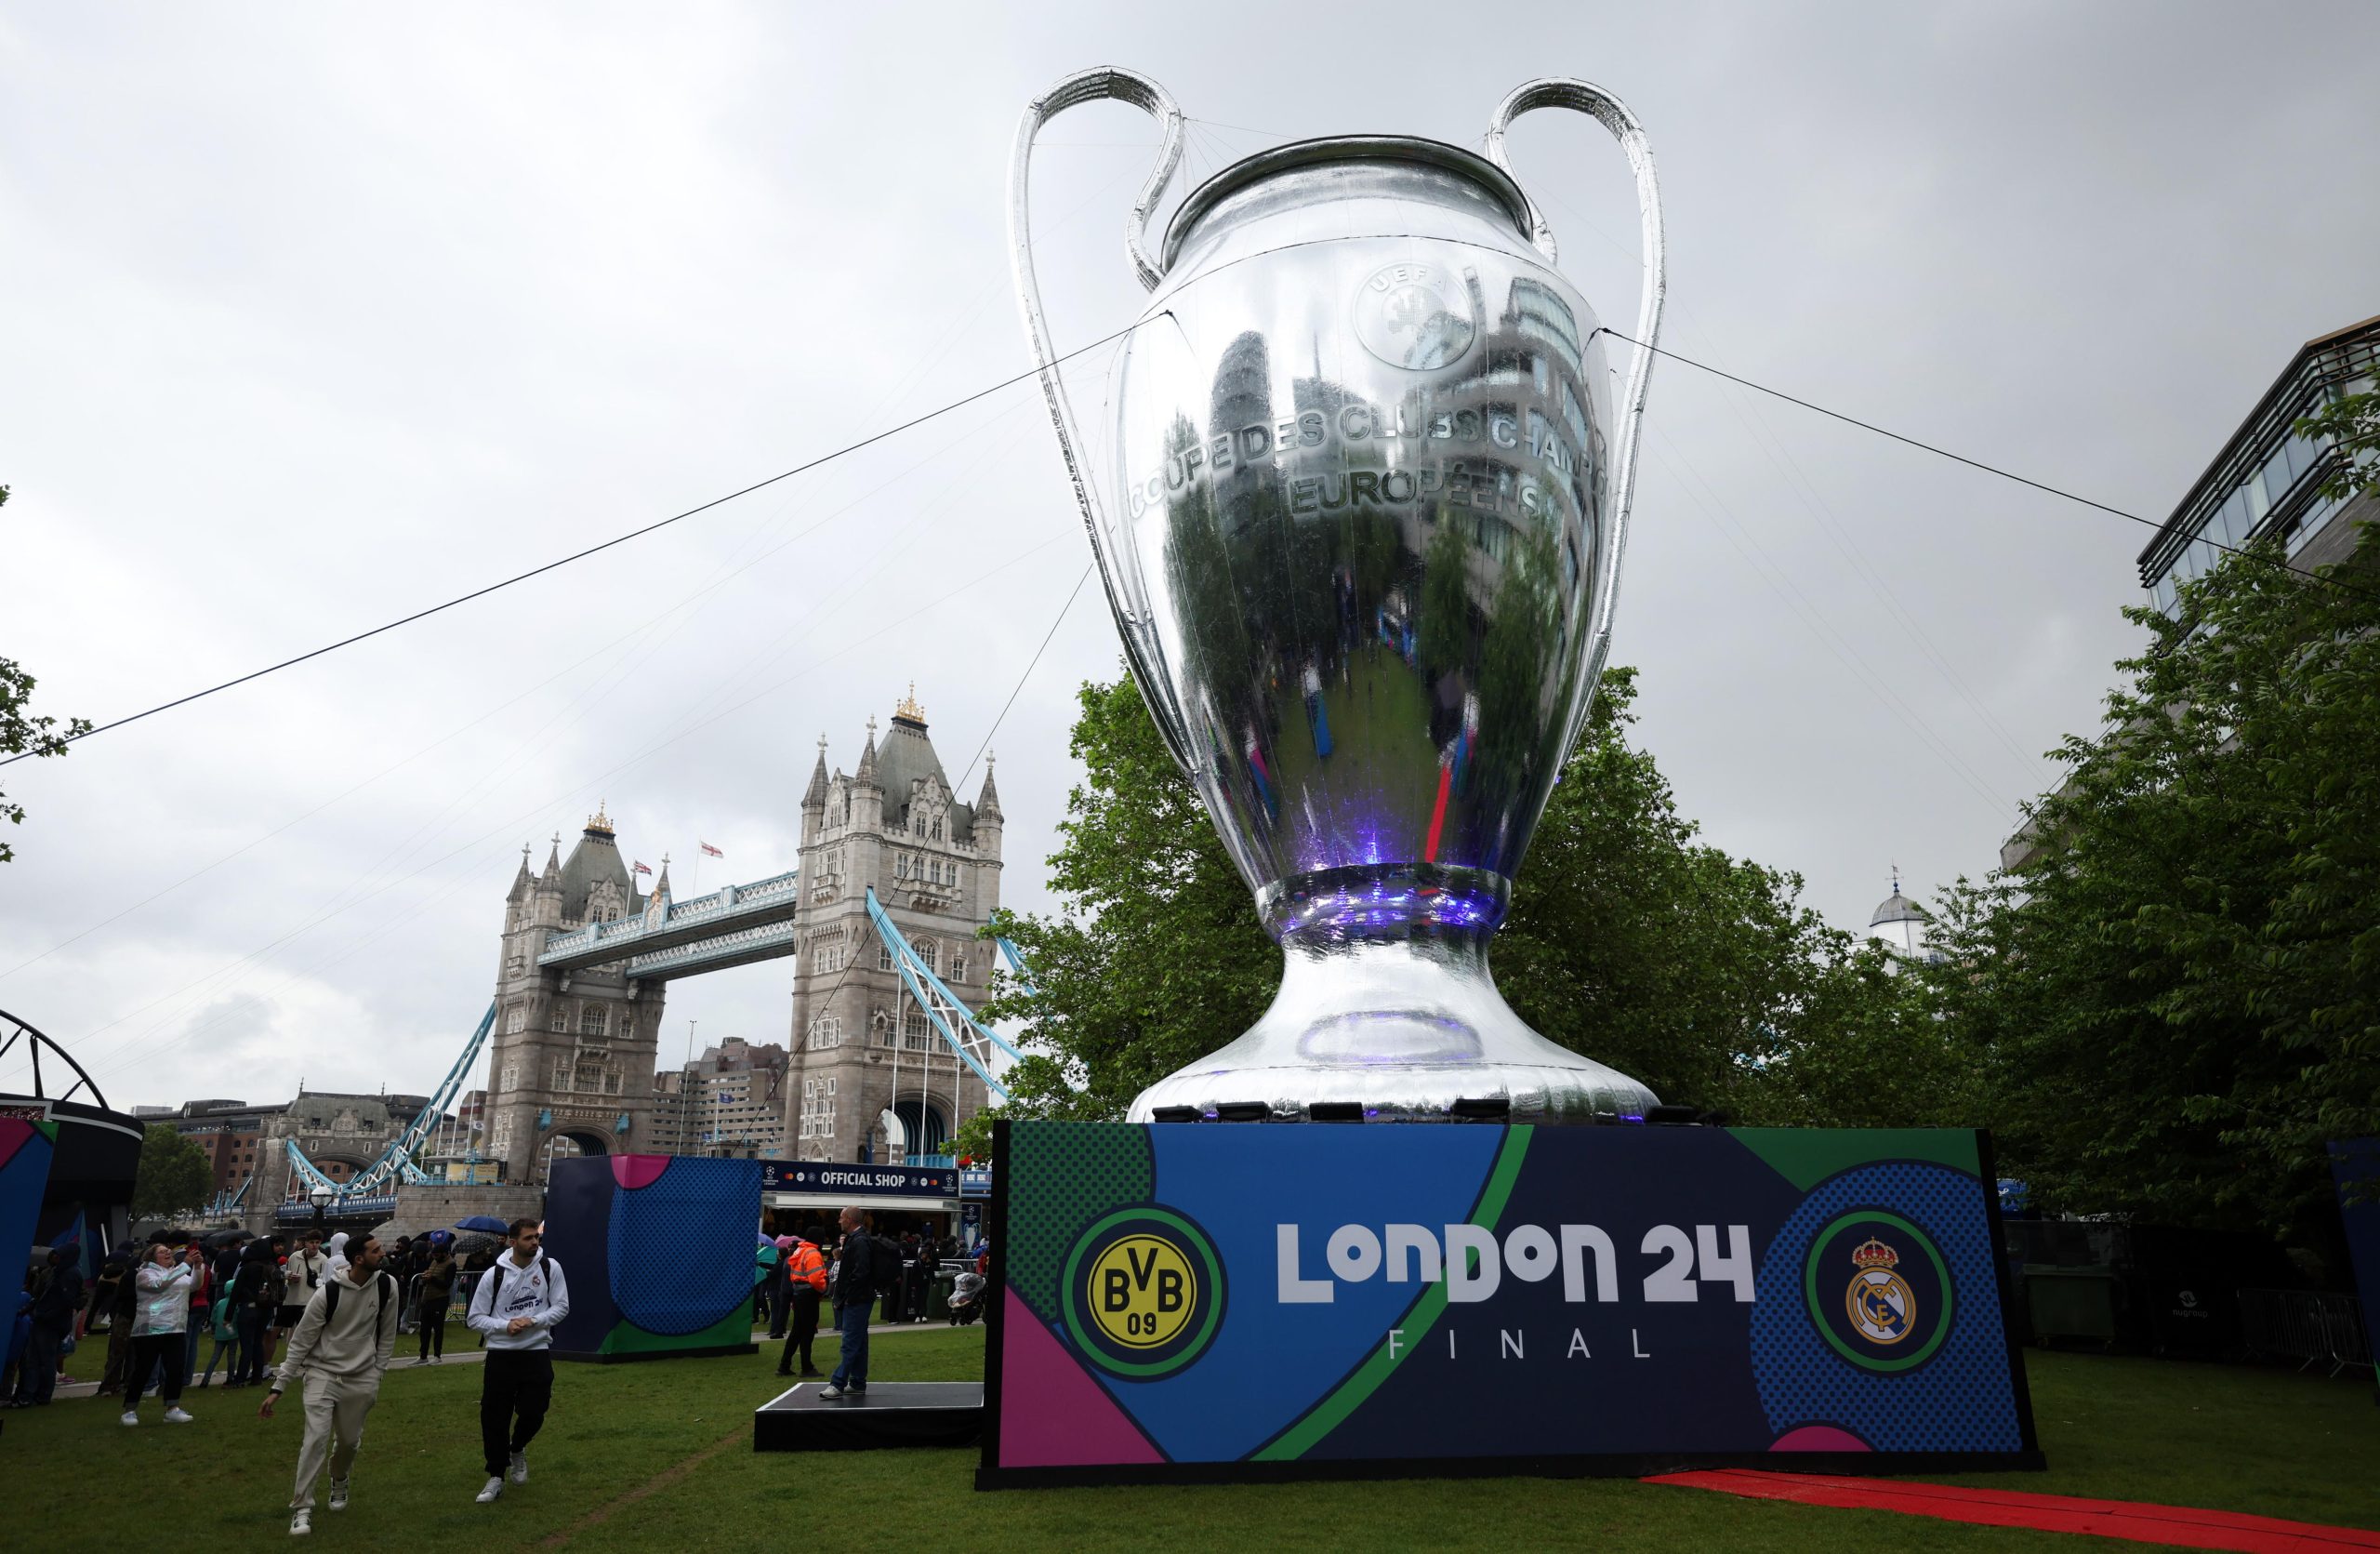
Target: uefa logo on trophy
1362 538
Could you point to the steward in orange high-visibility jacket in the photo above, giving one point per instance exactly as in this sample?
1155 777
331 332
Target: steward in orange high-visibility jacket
806 1270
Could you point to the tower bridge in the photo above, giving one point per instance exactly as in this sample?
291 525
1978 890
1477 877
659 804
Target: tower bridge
896 877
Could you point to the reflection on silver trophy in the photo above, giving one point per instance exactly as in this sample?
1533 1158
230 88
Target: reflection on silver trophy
1362 536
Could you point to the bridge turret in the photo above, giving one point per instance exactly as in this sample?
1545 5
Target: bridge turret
813 798
987 805
867 794
546 896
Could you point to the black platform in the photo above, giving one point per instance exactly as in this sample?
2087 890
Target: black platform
888 1413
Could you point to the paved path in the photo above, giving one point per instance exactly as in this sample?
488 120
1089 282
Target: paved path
464 1353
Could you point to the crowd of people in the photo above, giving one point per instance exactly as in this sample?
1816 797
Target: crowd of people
330 1308
239 1302
323 1314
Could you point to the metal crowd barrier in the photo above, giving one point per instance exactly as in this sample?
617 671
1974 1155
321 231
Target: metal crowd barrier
458 1292
2307 1326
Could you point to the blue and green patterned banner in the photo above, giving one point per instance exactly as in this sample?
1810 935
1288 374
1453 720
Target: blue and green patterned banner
1204 1301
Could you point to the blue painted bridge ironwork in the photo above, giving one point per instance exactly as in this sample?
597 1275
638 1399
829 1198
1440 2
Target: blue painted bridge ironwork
732 927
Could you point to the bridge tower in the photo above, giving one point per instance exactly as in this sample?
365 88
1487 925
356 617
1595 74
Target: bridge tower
861 1045
570 1061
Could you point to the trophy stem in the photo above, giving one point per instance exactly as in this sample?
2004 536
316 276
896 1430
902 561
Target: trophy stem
1391 1018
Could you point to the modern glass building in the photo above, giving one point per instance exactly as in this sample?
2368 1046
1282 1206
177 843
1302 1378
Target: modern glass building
2266 479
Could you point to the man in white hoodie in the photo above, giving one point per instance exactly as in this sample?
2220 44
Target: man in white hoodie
340 1350
518 1303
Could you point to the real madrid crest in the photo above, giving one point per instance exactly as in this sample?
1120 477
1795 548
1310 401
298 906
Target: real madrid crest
1882 1307
1879 1290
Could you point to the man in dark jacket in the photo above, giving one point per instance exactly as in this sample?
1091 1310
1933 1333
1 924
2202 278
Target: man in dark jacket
853 1292
255 1299
114 1295
227 1259
780 1287
53 1317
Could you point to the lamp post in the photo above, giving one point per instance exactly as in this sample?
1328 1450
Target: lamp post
320 1198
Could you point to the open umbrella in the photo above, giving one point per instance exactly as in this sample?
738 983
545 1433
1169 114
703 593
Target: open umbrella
488 1222
225 1237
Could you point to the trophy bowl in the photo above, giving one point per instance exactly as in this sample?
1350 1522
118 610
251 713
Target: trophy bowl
1361 538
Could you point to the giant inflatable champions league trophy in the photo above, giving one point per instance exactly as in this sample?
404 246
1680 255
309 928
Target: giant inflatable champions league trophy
1362 538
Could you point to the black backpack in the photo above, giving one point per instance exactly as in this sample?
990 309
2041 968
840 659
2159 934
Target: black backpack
381 1283
884 1265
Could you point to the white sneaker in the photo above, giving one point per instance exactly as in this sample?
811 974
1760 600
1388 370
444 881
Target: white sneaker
830 1390
130 1418
301 1521
338 1494
494 1492
519 1468
174 1416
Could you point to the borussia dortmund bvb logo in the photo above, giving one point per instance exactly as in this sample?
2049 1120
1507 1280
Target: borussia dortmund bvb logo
1878 1291
1144 1292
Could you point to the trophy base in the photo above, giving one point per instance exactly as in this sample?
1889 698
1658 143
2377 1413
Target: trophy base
1405 1031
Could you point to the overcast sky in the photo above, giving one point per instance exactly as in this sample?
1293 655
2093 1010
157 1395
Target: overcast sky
317 315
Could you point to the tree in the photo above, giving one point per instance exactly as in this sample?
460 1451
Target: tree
1629 942
1160 958
23 734
175 1176
2177 1005
2181 996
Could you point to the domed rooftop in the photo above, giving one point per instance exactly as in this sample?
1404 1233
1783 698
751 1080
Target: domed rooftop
1898 908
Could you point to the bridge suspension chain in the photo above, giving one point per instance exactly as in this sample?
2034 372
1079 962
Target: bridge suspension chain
967 1036
395 1162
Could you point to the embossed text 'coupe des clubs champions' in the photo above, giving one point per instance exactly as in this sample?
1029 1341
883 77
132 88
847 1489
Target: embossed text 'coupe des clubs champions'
1362 542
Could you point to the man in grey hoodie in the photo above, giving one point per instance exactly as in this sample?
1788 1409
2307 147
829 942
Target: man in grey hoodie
517 1304
340 1349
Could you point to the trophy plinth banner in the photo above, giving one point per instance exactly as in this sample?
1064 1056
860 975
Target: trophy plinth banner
1361 535
1187 1305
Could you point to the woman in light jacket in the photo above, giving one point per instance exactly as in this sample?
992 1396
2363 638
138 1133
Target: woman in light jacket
160 1315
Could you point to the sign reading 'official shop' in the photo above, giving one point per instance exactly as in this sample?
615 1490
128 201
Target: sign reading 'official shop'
859 1181
1193 1302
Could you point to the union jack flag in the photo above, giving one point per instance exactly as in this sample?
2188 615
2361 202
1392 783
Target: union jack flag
643 868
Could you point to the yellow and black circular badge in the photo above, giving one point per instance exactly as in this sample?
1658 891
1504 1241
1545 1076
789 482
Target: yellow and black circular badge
1144 1292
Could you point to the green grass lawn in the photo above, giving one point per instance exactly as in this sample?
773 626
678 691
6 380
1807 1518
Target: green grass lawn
658 1455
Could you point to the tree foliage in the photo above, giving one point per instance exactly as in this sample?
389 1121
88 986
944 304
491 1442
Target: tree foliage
2178 1000
174 1175
23 734
1630 941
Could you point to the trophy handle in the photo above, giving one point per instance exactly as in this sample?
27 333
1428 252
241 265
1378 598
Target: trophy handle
1562 91
1123 599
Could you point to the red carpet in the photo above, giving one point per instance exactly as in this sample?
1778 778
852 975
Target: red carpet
2184 1525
